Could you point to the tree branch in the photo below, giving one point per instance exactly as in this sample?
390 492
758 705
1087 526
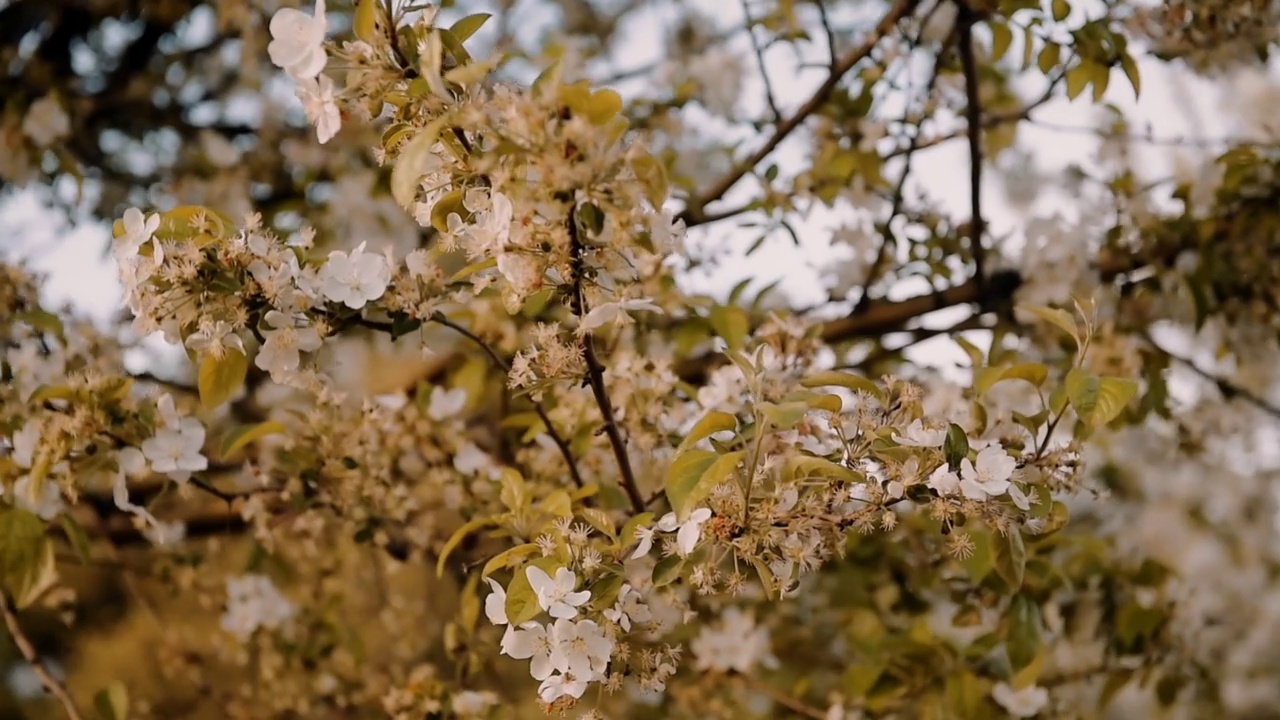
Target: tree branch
595 372
694 211
973 113
33 659
498 360
764 72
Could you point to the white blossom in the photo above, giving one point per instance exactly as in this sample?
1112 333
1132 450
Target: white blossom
1024 703
734 642
917 435
531 642
690 531
446 403
944 481
254 602
629 608
990 476
645 535
581 648
355 278
297 41
139 229
472 703
46 122
559 685
175 449
320 107
495 605
48 505
615 312
280 354
556 595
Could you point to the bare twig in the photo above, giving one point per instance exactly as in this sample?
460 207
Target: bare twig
498 360
764 71
695 209
595 373
973 113
1228 389
23 643
830 33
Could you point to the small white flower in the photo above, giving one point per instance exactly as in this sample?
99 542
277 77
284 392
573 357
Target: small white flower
615 312
629 607
944 481
24 444
531 642
46 122
215 338
139 229
645 536
281 355
581 648
297 41
560 685
48 505
1019 498
446 403
492 228
419 264
320 107
470 703
495 606
917 435
175 448
1024 703
990 476
254 602
355 278
557 596
690 531
735 642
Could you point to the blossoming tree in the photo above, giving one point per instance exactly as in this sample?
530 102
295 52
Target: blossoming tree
596 492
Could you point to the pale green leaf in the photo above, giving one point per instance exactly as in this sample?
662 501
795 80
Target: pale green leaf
221 378
242 435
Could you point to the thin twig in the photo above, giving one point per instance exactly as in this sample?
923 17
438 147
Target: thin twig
694 211
33 659
973 113
498 360
1228 389
764 71
795 705
826 28
595 373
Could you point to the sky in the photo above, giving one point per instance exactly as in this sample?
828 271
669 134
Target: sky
1173 104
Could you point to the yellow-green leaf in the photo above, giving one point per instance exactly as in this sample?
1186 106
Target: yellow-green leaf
1098 400
985 378
710 424
1010 557
783 416
838 378
508 557
515 492
1001 39
683 476
1077 79
469 25
1060 319
365 22
522 601
731 323
1024 632
242 435
667 570
413 163
448 205
1130 68
603 105
221 378
652 174
805 466
456 539
112 702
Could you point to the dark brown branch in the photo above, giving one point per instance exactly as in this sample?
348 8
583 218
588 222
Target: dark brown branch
595 372
1228 389
764 72
33 659
695 210
973 113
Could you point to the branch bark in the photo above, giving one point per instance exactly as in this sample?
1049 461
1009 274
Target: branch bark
29 653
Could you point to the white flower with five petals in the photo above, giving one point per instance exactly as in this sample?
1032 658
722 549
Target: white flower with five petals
355 278
557 596
917 435
297 41
320 107
989 476
175 448
531 642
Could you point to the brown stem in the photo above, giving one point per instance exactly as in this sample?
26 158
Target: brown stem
695 210
33 659
595 372
973 113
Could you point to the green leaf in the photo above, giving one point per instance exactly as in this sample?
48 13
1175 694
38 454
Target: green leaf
1061 9
515 492
78 538
985 378
694 474
1023 643
242 435
956 446
806 466
1098 400
667 570
1010 557
24 554
981 560
652 175
457 537
1049 56
1056 317
522 601
112 702
710 424
508 557
1001 39
783 416
603 106
837 378
220 378
448 205
557 504
604 593
469 25
413 164
1131 72
731 323
1077 79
